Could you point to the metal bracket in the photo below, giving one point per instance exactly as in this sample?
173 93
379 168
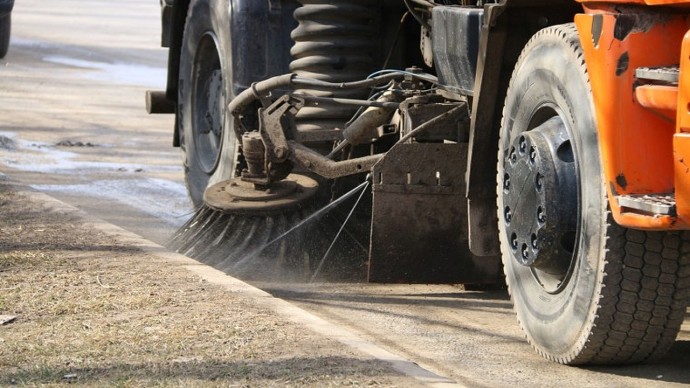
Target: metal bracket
327 168
271 127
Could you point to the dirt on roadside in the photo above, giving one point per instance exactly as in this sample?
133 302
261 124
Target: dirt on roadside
91 311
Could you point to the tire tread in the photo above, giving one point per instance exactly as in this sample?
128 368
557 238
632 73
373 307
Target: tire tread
628 326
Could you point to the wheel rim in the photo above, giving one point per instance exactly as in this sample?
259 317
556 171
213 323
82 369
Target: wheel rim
540 200
208 103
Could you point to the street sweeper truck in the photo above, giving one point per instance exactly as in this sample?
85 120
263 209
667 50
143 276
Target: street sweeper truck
546 143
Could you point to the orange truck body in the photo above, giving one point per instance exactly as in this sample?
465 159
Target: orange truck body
644 129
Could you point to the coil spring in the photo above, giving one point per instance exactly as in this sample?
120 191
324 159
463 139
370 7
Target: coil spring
335 41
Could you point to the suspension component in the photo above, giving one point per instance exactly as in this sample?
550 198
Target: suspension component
254 154
335 41
364 127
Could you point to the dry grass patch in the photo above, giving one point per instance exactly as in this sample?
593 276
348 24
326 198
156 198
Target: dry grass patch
94 313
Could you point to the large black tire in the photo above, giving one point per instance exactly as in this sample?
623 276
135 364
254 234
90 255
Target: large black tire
205 88
585 290
5 29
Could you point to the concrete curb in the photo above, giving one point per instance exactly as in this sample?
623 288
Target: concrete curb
262 298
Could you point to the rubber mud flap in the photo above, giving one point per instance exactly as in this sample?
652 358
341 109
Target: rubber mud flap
419 223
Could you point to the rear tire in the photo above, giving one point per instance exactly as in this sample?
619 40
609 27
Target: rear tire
5 30
205 88
585 290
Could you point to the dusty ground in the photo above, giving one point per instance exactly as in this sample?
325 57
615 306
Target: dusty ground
91 311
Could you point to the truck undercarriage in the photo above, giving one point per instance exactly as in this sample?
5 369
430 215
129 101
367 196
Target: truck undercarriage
479 130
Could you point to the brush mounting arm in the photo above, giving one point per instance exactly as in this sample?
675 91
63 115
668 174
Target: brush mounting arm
327 168
276 121
271 126
266 151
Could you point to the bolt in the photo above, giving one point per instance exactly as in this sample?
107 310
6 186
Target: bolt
281 152
532 154
513 155
513 241
523 145
541 216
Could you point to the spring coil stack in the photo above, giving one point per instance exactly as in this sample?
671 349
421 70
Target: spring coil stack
335 41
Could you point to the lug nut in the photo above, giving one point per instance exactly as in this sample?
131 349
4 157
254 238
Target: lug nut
513 241
525 252
535 243
523 145
532 154
513 155
539 181
508 214
541 216
506 182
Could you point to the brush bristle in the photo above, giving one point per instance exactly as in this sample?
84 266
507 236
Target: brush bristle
251 246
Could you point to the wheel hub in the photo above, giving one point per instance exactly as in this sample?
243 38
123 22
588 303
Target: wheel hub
215 107
540 198
208 99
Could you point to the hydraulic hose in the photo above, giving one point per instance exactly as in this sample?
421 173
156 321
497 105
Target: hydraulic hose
260 89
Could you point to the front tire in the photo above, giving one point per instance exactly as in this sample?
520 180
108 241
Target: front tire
585 290
205 88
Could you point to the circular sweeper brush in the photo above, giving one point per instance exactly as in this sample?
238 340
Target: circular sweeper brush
240 197
264 233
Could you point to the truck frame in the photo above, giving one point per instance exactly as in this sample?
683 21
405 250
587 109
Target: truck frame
543 141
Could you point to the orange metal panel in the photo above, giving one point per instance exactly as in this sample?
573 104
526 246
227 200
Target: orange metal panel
636 143
681 140
668 2
658 97
683 114
674 3
681 160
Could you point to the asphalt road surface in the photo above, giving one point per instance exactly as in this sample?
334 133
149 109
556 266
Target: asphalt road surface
73 125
